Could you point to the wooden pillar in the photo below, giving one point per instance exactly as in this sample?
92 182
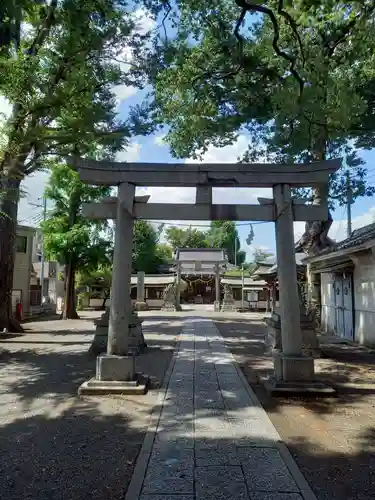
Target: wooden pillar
268 302
273 296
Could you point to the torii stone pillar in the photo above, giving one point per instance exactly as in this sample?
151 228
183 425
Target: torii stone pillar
115 370
178 287
118 338
217 288
292 367
140 304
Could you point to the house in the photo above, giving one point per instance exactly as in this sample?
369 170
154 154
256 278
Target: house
347 286
22 290
53 282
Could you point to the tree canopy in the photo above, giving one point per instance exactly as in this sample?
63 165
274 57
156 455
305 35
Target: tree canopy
178 237
60 65
220 234
296 75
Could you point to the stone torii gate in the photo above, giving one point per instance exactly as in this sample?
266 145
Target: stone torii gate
115 369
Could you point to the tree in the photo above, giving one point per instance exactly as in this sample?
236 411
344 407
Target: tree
223 234
185 238
163 252
145 250
100 277
58 75
296 75
70 238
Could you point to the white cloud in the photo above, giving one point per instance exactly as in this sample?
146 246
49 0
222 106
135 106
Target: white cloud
144 21
130 154
144 24
160 141
338 231
33 186
123 92
230 154
227 154
5 108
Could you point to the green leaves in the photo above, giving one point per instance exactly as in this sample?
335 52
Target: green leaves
185 238
67 234
145 240
212 85
60 78
221 234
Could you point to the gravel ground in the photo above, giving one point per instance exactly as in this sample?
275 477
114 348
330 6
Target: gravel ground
332 440
54 445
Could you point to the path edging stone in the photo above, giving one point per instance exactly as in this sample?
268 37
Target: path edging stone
136 483
297 475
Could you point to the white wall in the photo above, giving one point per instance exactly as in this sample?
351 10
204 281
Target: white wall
22 268
328 313
364 300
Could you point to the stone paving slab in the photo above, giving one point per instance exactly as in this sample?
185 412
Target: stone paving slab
213 440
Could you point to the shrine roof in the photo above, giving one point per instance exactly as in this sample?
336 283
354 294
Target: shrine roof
211 255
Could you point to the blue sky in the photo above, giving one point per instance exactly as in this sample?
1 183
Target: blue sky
153 149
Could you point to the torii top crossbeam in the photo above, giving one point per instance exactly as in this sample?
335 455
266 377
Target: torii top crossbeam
111 173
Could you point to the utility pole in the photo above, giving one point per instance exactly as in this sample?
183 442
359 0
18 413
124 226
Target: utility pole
349 201
235 248
42 249
243 293
41 274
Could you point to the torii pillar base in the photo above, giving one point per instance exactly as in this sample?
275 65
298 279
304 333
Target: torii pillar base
294 376
115 375
140 306
100 341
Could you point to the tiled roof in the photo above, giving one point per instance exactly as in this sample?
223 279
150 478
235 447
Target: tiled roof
358 237
273 269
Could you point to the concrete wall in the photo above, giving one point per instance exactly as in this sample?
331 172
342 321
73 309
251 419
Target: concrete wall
364 300
23 268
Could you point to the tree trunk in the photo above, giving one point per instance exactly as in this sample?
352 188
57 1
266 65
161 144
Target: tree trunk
70 311
9 196
105 298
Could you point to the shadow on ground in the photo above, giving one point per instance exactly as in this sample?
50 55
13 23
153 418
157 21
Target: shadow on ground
55 446
332 439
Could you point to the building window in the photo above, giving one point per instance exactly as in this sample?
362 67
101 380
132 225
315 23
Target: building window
21 244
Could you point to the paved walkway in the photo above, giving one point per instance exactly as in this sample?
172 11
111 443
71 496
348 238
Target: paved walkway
213 440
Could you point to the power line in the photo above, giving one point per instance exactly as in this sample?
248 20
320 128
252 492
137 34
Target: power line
204 225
